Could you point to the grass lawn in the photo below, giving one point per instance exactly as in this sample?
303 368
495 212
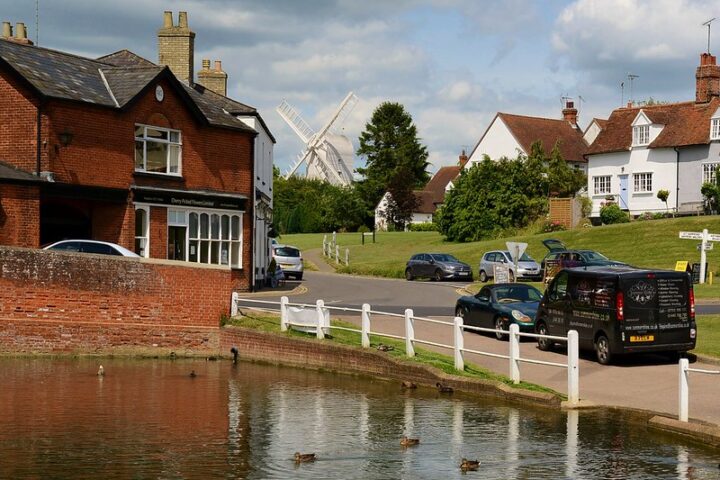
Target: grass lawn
708 342
646 244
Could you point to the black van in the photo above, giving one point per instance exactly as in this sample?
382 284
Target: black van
618 310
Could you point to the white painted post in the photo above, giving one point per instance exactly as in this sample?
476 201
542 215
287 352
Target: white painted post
283 314
320 319
573 368
458 344
683 389
703 256
233 304
337 253
409 333
347 257
365 329
514 353
324 242
334 240
324 248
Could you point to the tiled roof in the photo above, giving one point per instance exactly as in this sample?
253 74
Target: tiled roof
425 201
126 58
600 121
686 123
528 130
440 180
13 174
127 82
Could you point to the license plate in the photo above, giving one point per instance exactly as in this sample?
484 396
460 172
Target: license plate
286 265
642 338
464 273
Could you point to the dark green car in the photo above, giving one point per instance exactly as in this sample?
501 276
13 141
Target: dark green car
497 306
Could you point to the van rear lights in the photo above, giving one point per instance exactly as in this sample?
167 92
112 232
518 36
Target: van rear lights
692 304
620 306
693 333
650 275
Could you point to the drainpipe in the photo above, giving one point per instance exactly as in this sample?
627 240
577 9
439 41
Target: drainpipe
38 157
677 178
251 203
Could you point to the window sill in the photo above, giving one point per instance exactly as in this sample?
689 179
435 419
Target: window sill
641 194
164 176
602 195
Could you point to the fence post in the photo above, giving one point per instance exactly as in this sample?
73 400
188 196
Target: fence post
283 314
573 368
683 366
365 333
233 304
409 333
514 353
320 319
347 257
334 239
459 344
337 253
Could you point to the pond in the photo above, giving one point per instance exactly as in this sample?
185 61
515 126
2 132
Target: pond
151 419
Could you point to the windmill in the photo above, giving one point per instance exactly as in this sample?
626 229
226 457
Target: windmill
328 155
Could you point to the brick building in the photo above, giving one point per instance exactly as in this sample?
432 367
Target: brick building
124 150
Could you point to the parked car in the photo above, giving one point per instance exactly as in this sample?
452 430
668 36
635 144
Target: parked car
528 268
569 258
620 310
91 246
438 266
289 259
497 306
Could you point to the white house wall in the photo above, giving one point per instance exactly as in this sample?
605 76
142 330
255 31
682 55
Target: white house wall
380 219
592 132
421 218
496 143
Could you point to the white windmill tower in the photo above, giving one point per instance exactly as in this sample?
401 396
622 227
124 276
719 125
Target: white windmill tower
328 155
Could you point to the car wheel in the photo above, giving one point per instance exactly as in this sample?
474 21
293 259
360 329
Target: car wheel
602 350
483 276
544 344
511 277
460 312
408 275
500 325
438 275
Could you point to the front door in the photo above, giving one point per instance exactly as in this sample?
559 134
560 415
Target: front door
176 243
624 192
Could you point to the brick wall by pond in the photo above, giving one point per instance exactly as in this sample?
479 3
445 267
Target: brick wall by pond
56 302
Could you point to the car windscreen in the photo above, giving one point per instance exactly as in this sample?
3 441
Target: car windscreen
518 293
287 252
523 258
590 255
443 257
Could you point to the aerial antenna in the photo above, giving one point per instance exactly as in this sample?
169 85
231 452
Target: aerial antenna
632 78
580 102
37 22
622 94
707 24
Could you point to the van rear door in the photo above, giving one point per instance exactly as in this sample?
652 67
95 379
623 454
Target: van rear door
656 309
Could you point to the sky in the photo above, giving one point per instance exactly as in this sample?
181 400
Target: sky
452 63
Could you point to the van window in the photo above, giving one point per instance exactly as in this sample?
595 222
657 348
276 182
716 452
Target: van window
559 287
287 252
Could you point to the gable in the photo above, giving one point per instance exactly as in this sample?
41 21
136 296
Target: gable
641 119
497 142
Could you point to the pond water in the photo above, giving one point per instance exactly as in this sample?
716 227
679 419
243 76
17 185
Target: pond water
150 419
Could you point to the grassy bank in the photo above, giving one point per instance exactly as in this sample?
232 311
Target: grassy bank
708 342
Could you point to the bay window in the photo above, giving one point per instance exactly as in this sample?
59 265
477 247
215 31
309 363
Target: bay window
212 237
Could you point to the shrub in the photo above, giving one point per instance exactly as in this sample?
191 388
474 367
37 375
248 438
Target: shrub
586 206
611 213
363 229
553 226
422 227
659 215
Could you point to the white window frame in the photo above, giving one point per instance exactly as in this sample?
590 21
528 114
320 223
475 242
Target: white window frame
642 182
146 234
145 139
715 128
196 239
600 181
641 135
710 171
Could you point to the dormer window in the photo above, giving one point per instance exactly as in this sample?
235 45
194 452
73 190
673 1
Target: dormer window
158 150
641 135
715 129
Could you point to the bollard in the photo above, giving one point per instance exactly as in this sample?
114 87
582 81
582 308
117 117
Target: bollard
514 353
347 257
365 329
233 304
283 314
683 366
573 368
409 333
458 344
320 319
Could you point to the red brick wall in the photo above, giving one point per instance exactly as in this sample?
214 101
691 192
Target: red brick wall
54 301
114 223
19 215
158 232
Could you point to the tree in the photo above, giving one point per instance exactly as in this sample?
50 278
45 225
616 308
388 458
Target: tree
401 202
563 179
663 195
393 153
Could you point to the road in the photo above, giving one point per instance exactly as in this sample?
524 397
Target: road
644 382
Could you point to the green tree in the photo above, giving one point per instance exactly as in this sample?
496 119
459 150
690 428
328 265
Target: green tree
663 195
564 180
393 153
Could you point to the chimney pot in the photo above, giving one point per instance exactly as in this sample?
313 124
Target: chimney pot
630 104
570 113
20 33
6 30
463 159
167 19
218 66
707 79
206 64
183 20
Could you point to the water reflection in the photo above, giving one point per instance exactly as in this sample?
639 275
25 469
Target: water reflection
148 419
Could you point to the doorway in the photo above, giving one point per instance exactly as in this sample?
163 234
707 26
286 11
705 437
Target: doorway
176 243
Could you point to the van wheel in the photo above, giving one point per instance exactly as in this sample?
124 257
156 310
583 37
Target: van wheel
483 276
408 275
602 350
544 344
500 325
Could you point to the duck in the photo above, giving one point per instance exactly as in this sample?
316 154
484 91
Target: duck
193 374
408 442
101 371
304 457
443 388
469 465
408 385
385 348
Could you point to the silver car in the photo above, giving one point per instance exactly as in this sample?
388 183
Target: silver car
527 267
289 259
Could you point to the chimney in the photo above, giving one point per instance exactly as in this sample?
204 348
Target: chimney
215 80
463 159
570 113
707 79
20 33
176 46
6 30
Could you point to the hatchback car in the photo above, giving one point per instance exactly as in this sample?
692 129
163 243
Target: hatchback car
289 259
91 246
527 267
438 266
568 258
497 306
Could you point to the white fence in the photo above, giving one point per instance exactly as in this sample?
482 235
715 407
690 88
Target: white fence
290 316
684 386
331 249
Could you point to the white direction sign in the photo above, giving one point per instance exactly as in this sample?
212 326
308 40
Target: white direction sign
708 246
713 237
516 250
706 237
692 235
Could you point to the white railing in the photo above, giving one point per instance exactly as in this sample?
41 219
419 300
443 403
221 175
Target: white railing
514 357
330 248
684 386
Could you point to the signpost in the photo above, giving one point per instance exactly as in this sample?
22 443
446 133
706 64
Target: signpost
703 247
516 250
